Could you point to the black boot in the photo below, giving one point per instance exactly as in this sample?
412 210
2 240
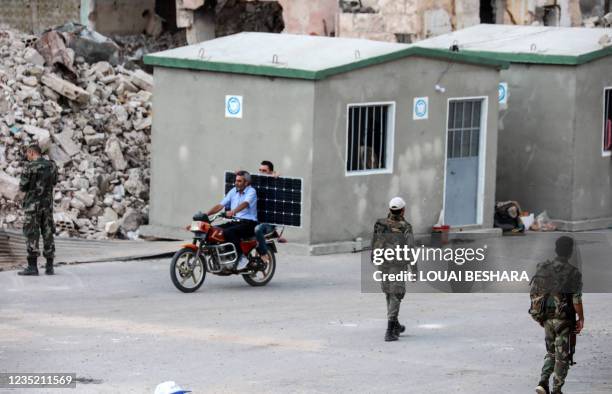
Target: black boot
31 269
390 335
399 328
49 267
542 388
558 391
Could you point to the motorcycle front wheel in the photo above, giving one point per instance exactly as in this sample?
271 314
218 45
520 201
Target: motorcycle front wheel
262 277
187 270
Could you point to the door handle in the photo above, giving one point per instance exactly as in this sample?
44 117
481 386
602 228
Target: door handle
452 172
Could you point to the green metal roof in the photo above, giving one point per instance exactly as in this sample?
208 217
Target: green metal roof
301 57
569 46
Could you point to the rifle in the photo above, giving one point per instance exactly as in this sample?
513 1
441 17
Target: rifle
572 338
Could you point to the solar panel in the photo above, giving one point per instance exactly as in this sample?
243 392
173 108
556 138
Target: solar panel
279 199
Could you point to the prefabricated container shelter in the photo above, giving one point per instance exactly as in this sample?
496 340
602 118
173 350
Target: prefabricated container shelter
555 129
338 113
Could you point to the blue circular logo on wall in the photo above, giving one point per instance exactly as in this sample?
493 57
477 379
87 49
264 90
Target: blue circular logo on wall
420 108
233 105
501 93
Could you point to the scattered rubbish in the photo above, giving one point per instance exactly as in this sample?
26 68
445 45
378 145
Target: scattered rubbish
543 223
527 219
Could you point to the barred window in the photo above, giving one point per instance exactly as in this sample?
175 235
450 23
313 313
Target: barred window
369 132
464 128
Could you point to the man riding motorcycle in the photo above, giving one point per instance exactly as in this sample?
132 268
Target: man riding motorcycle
241 201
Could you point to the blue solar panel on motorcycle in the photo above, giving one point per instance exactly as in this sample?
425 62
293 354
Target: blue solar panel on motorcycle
279 199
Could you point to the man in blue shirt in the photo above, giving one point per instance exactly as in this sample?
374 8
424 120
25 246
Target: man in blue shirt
241 204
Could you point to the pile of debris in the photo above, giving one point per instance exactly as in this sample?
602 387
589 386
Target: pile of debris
133 48
598 21
93 120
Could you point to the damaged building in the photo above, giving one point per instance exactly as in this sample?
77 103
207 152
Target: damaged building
384 20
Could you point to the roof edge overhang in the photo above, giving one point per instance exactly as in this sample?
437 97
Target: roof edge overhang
283 72
537 58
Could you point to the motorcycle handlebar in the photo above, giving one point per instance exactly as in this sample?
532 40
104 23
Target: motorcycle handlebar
222 214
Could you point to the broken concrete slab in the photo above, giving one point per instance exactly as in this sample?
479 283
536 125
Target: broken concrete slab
52 47
113 150
32 56
9 186
143 123
64 139
142 80
58 155
95 139
65 88
42 136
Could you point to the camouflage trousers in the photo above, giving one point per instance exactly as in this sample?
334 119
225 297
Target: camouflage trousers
393 305
39 221
557 336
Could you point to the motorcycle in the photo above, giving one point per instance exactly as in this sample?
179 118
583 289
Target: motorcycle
210 252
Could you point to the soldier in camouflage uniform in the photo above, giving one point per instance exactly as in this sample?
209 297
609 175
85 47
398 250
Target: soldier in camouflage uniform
564 282
37 181
388 233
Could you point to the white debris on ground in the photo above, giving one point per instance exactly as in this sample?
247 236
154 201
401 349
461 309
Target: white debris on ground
96 127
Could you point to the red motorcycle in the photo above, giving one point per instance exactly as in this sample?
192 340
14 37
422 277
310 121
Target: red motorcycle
210 252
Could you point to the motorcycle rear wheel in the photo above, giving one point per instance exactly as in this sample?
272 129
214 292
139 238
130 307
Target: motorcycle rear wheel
261 278
187 267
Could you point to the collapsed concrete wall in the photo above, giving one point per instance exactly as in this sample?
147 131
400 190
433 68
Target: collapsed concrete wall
257 16
545 12
34 16
120 16
207 19
105 16
315 17
406 20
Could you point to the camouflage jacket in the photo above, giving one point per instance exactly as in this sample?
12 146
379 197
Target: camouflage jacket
390 232
37 181
560 285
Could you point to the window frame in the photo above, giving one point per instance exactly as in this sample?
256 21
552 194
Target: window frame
605 153
390 140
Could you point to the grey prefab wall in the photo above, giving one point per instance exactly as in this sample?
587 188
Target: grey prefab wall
345 206
352 136
193 143
551 151
555 131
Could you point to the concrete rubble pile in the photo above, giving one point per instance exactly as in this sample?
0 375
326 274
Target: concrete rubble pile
134 47
93 120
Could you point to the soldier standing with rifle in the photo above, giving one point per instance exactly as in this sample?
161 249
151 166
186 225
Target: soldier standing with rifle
37 181
390 232
556 300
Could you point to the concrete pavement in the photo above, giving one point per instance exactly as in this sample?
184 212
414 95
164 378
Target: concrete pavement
123 327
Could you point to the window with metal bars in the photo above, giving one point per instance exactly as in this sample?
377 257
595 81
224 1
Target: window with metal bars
607 126
368 136
464 128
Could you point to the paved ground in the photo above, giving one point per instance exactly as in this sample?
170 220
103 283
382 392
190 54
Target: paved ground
126 327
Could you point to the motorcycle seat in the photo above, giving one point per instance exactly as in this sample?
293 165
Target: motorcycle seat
272 234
